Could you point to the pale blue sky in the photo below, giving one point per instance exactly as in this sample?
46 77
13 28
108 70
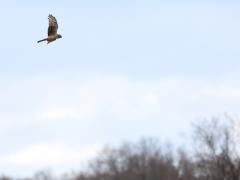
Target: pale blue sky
122 70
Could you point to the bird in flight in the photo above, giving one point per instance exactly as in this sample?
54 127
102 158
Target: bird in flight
52 30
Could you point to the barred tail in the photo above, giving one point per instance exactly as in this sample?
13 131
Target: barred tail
42 40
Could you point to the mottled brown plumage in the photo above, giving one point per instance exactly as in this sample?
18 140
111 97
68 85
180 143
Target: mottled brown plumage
52 30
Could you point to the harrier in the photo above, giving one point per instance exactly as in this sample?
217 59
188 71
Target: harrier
52 30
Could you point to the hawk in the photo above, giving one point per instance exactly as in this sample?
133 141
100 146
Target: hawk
52 30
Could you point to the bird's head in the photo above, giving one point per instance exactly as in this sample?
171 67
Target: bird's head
59 36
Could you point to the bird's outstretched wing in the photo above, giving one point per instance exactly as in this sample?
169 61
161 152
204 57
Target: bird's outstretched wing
53 25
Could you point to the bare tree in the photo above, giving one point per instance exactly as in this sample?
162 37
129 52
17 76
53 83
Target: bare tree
145 160
186 167
217 155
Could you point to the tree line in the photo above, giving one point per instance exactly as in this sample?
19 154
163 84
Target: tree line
213 154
